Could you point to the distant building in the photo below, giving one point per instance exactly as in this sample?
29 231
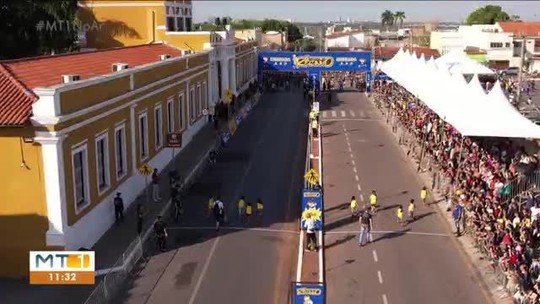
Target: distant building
381 54
347 39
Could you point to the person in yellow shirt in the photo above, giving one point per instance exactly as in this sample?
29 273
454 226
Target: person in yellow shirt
399 215
424 195
354 206
249 211
373 201
241 207
411 210
260 207
312 115
211 205
314 127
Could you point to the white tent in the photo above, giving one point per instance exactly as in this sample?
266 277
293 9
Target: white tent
458 62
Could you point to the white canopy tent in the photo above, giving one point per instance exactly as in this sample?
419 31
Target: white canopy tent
464 105
458 62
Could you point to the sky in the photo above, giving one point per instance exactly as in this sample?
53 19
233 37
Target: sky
312 11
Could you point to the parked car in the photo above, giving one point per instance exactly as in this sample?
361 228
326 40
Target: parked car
512 71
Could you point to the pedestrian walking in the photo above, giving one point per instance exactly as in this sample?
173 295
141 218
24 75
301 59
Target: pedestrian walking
366 225
155 186
309 225
219 212
140 218
424 195
241 208
118 207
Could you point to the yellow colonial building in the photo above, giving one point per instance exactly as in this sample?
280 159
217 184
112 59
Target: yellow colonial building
74 128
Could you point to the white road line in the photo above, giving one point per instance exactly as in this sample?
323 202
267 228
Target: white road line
359 187
321 259
354 170
384 299
232 228
350 150
361 196
343 114
375 257
324 113
350 154
356 177
353 162
352 113
203 273
390 232
379 274
300 257
334 114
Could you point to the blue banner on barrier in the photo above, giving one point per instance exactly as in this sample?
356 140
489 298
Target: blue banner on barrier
382 76
308 293
312 206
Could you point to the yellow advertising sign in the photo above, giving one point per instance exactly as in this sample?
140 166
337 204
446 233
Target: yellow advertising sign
311 62
228 95
145 169
232 126
312 177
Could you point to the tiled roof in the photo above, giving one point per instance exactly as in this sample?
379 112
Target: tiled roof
19 77
343 49
381 52
521 28
342 34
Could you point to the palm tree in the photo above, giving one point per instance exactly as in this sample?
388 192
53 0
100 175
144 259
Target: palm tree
399 17
387 18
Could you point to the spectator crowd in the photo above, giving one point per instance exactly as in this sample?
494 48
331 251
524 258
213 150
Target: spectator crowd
484 177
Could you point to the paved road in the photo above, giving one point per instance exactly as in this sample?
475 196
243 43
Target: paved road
264 159
419 263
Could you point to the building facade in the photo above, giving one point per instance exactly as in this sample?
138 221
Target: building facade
346 39
74 128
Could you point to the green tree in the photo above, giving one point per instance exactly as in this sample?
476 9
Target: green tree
21 35
489 14
387 18
400 17
273 25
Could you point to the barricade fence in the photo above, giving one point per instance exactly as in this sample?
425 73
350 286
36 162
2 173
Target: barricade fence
114 282
515 189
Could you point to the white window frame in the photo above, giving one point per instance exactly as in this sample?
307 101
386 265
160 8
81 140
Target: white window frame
199 99
170 115
81 148
104 136
158 132
205 95
122 129
181 107
191 104
143 137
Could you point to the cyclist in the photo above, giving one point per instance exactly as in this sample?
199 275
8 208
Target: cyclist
354 206
373 201
411 210
424 195
160 229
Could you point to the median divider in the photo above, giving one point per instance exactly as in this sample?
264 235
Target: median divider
309 286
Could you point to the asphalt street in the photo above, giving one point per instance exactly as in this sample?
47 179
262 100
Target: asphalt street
418 263
244 262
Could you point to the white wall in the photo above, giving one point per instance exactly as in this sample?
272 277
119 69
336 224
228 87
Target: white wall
342 41
358 40
446 41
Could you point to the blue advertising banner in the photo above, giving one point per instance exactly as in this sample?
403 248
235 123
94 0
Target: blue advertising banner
381 76
308 293
312 206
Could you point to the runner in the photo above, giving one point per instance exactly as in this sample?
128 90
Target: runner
399 215
249 211
373 201
241 208
424 195
411 208
219 212
354 206
211 201
260 207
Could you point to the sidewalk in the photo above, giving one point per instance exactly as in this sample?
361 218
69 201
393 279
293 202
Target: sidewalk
479 264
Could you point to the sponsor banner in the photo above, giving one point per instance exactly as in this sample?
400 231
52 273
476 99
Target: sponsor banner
310 293
312 207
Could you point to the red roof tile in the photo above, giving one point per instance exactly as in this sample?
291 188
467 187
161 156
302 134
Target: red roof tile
521 28
342 34
381 52
19 77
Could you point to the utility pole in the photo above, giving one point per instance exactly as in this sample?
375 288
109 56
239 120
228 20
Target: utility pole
520 74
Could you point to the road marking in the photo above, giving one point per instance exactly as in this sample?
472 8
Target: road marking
350 150
350 154
321 259
300 257
343 113
353 162
356 177
359 187
203 273
379 274
361 195
352 113
391 232
233 228
324 113
354 170
334 114
375 257
384 299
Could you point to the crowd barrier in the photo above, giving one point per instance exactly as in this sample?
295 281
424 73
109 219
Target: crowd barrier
514 189
116 278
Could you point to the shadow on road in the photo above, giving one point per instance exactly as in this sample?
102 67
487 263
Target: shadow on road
391 235
340 241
